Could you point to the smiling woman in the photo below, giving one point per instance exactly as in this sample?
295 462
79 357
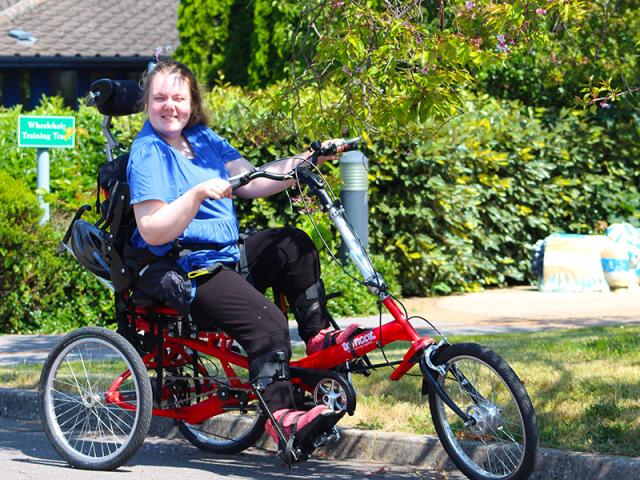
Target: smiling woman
173 103
178 173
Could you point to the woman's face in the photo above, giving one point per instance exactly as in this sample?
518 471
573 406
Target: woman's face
169 104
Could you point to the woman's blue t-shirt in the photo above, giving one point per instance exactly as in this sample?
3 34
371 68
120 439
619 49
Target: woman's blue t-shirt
157 171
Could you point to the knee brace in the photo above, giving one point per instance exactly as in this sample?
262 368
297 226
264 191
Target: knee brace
268 368
311 301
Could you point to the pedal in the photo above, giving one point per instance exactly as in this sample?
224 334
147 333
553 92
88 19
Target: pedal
332 435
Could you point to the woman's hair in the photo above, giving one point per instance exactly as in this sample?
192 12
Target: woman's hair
198 114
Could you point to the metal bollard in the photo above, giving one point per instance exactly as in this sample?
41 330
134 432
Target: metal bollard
43 182
355 196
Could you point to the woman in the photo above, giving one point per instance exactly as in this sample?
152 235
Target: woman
178 175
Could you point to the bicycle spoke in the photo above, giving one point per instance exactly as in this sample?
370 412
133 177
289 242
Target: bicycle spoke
86 375
109 429
75 418
111 415
75 379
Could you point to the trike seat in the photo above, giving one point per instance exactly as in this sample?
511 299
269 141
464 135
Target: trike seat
141 299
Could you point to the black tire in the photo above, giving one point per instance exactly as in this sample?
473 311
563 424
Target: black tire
239 427
82 423
503 443
226 433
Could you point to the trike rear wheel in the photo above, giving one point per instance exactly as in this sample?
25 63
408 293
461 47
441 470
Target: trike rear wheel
502 441
95 399
228 433
241 425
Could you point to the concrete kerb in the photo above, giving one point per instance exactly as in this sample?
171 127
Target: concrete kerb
391 448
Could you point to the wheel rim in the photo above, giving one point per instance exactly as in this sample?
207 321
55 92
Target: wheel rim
495 445
85 424
225 429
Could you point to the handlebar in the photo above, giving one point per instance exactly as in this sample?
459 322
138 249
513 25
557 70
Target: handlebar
242 180
318 151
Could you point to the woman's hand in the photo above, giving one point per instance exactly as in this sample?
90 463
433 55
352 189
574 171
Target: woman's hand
215 189
328 158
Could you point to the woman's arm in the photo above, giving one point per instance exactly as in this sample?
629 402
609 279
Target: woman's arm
263 187
160 222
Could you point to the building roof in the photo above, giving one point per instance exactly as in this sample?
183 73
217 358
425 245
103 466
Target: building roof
87 29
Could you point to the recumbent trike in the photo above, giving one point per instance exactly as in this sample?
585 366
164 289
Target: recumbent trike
99 388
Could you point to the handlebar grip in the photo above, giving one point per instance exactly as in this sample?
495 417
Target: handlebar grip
242 179
331 149
236 183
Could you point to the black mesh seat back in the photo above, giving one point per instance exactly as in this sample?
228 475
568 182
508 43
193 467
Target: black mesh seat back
117 97
112 178
119 222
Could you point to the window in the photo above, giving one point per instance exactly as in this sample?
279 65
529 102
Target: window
63 84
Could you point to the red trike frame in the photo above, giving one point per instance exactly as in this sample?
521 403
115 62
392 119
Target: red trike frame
219 345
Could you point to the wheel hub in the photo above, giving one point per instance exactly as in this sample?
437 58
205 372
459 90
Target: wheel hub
89 400
486 417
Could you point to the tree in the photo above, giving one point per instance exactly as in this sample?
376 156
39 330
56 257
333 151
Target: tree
244 42
204 27
384 67
376 64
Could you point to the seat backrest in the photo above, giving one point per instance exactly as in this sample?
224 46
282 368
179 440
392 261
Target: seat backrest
118 221
116 217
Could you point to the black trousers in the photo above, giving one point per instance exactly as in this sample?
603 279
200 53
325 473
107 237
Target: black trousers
284 259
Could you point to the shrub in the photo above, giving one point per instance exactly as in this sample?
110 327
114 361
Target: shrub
41 292
453 207
459 210
355 299
72 170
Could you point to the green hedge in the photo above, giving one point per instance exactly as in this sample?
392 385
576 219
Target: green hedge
458 206
41 292
72 171
469 200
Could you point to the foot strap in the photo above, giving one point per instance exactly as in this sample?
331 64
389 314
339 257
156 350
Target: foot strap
331 338
285 449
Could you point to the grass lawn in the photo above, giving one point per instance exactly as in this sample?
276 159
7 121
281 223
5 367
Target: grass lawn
584 384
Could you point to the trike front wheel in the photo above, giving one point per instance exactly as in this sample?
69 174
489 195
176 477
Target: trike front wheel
95 399
502 439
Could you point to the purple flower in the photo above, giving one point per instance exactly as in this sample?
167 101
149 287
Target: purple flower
470 5
604 104
541 11
502 43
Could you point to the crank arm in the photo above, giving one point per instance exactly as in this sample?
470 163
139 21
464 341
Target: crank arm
283 440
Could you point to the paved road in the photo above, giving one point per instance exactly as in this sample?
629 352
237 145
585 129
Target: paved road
25 453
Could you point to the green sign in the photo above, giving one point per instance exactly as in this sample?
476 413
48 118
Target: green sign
46 132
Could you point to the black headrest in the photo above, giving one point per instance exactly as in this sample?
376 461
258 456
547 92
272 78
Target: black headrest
116 97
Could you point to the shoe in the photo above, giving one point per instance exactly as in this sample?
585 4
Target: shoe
328 337
304 426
